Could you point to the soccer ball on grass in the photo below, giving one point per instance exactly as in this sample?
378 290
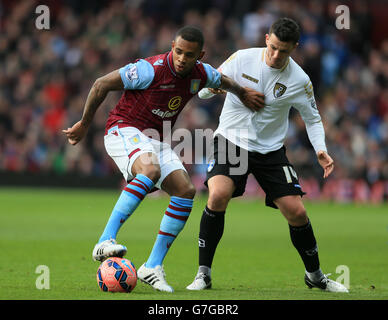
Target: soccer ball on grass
116 275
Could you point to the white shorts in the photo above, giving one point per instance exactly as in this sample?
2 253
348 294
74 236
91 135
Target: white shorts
124 145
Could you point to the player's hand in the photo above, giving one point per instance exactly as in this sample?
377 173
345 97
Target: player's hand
252 99
75 133
326 162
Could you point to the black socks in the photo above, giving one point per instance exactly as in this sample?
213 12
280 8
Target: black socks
210 233
304 241
212 228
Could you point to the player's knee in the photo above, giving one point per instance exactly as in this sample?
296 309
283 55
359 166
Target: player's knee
187 191
152 172
298 216
218 199
147 165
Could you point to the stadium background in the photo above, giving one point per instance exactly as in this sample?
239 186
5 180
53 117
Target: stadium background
45 76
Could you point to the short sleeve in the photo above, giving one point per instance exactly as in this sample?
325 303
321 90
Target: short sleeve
138 75
213 76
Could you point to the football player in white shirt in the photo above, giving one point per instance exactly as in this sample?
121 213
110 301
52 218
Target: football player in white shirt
256 138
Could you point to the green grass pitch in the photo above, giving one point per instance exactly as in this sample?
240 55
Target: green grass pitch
255 260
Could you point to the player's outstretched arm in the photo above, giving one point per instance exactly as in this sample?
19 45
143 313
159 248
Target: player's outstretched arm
252 99
110 82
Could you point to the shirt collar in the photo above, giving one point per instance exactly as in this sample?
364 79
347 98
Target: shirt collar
271 68
171 66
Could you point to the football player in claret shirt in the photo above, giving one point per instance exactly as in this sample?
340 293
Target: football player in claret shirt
156 89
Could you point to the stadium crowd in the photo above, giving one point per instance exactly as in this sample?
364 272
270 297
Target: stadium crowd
45 76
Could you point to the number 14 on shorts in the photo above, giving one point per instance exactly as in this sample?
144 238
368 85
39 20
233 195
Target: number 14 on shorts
288 171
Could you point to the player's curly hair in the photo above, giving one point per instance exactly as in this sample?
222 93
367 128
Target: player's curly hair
191 34
286 29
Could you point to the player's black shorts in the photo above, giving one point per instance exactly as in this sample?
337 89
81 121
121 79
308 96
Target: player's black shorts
273 172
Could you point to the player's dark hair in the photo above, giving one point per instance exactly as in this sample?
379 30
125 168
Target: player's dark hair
191 34
286 29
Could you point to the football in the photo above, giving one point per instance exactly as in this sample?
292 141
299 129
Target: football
116 275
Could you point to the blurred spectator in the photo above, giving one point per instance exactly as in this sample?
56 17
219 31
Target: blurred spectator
255 25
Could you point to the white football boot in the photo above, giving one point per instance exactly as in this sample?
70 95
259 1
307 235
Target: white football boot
155 277
325 284
108 248
202 281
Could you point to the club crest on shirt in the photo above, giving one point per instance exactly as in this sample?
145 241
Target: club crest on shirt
194 87
279 89
135 139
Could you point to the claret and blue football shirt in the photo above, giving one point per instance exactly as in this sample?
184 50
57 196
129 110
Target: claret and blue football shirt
155 93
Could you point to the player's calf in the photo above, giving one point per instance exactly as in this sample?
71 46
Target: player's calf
178 184
221 189
129 200
173 221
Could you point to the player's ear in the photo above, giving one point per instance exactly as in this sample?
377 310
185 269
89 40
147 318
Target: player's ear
172 45
201 55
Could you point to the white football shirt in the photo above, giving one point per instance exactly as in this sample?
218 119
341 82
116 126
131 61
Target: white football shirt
265 130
